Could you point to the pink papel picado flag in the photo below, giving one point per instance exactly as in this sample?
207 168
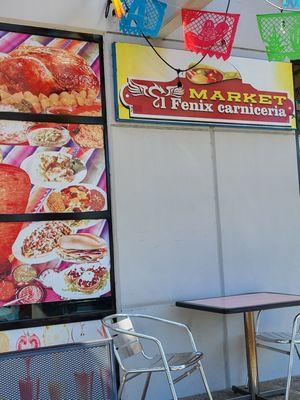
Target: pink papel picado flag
209 33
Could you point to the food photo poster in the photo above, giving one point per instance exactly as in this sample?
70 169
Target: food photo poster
49 75
56 168
50 261
52 168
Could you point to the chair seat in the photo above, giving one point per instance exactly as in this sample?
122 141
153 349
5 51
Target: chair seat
276 337
176 361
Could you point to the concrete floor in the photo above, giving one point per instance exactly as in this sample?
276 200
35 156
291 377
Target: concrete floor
277 384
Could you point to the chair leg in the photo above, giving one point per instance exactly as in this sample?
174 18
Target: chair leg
146 386
121 388
290 370
171 384
203 376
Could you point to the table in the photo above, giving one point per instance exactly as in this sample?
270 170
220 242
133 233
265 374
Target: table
246 304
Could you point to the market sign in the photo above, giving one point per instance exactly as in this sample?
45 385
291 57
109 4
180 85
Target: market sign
238 91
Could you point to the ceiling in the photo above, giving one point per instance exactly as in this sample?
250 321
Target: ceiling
88 15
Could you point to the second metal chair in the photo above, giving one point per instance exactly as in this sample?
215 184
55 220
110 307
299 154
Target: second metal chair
267 340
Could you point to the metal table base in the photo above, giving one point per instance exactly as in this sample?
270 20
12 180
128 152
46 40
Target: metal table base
252 393
245 394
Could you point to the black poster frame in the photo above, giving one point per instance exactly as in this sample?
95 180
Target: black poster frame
71 310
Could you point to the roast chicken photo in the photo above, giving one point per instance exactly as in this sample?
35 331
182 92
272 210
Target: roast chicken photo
35 78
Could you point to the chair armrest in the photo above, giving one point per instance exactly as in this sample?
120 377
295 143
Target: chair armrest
130 333
171 323
295 326
144 337
257 321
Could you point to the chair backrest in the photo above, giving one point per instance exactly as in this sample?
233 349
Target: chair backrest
125 345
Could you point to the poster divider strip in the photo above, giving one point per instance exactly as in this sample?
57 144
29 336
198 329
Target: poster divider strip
60 118
95 215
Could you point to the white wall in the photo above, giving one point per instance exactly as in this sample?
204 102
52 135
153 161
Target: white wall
260 214
166 242
173 239
257 185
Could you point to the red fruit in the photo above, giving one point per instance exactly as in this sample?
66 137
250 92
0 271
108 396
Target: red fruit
214 76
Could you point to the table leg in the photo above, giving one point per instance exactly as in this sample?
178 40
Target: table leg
252 392
251 354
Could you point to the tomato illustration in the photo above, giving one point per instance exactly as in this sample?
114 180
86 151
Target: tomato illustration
28 341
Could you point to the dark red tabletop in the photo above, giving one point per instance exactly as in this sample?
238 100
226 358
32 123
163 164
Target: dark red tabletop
242 303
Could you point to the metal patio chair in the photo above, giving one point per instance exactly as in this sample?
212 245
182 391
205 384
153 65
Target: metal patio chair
129 349
267 340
